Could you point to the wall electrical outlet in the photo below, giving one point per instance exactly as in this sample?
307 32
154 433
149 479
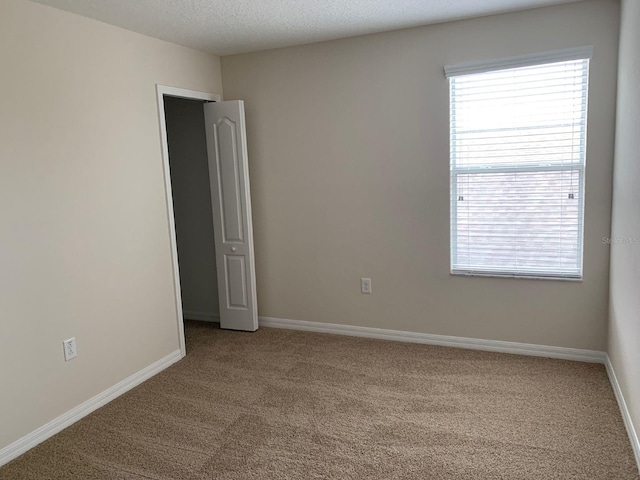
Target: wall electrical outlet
70 350
365 285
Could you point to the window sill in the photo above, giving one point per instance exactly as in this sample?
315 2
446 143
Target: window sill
466 273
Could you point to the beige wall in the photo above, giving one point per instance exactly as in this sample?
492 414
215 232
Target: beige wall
349 164
84 231
624 308
192 206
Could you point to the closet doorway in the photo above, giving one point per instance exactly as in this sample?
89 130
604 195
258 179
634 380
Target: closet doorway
209 208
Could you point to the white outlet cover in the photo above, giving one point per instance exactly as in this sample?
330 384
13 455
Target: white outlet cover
70 349
365 285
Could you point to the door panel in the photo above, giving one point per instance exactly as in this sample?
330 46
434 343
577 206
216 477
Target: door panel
229 179
236 281
231 204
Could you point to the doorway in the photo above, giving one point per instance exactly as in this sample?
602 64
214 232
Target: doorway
209 208
189 171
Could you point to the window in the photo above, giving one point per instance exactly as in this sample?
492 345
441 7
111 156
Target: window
518 140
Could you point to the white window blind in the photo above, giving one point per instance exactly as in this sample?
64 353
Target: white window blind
518 140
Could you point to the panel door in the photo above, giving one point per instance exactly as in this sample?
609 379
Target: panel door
231 202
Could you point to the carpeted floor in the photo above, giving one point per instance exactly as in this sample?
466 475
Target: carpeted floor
280 404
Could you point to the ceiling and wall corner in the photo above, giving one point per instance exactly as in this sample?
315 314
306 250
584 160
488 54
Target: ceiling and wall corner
226 27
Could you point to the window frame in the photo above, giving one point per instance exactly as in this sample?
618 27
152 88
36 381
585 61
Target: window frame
580 53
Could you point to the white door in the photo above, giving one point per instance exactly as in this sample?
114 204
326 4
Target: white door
231 202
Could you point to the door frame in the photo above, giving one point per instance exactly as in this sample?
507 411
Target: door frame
161 92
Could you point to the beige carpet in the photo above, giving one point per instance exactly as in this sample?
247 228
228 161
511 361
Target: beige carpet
280 404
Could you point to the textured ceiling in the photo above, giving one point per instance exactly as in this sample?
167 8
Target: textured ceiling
233 26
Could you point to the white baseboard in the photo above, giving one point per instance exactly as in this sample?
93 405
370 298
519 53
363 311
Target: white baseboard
32 439
201 316
591 356
58 424
626 415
